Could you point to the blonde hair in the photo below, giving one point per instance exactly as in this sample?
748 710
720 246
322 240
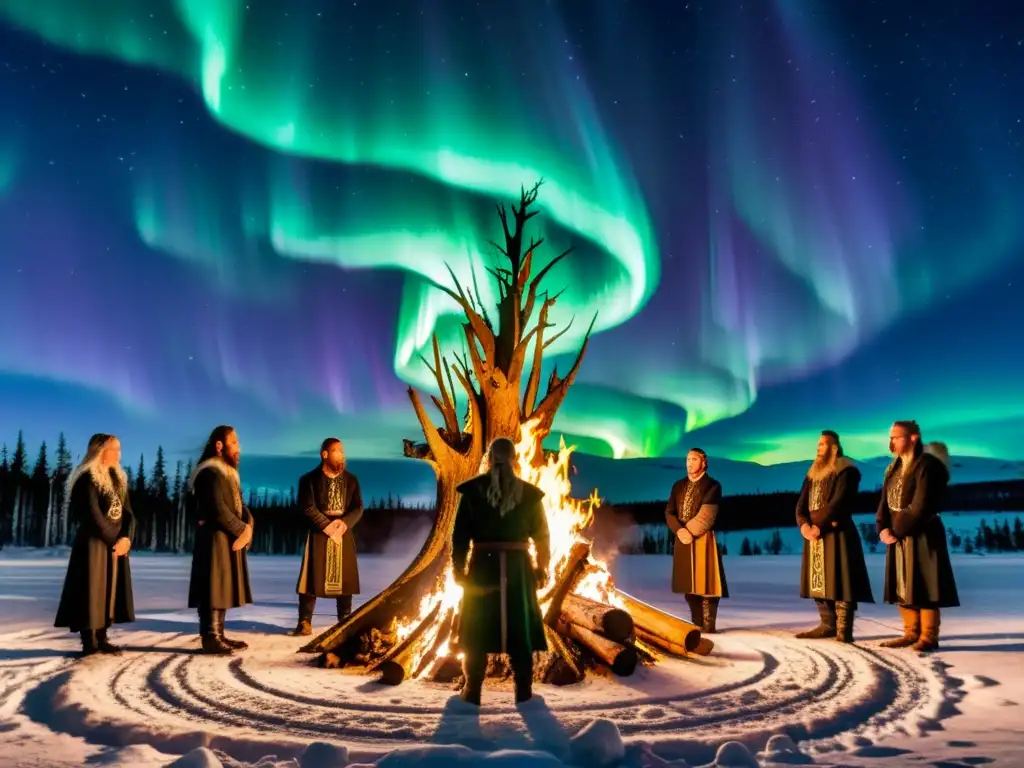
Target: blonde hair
505 490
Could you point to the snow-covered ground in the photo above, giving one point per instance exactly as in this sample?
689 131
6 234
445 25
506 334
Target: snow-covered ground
854 706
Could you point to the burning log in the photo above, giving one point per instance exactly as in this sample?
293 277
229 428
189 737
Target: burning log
573 570
660 626
614 623
622 659
444 632
397 664
649 638
562 668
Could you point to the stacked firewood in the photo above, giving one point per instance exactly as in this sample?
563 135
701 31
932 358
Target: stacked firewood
582 634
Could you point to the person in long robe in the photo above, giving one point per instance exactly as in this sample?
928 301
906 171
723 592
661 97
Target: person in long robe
499 515
918 571
697 569
224 529
331 500
833 572
98 586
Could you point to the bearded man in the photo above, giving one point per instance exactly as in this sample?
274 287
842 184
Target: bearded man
918 571
833 572
220 566
499 515
332 502
697 569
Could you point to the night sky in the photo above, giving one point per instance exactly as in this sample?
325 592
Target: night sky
791 215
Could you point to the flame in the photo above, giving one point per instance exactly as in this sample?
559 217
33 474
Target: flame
567 518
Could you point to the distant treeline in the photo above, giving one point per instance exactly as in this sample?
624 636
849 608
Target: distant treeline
32 508
32 515
776 510
656 539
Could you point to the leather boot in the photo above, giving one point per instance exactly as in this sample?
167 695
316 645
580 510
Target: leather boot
103 645
474 668
844 621
696 606
89 646
344 607
211 627
522 671
826 622
305 626
710 615
238 645
911 629
929 640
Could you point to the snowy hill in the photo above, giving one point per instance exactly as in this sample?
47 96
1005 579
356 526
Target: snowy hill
617 480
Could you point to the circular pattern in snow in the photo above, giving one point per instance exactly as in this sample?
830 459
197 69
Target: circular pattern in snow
753 685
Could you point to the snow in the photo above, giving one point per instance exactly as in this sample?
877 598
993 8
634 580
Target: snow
762 698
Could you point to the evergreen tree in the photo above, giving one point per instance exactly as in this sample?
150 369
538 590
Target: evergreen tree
1018 535
140 478
64 466
745 548
158 485
3 454
176 489
20 461
42 467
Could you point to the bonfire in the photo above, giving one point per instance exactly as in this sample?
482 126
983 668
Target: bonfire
410 628
589 622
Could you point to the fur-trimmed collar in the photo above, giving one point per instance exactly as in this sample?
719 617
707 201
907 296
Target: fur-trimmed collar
99 478
218 464
834 468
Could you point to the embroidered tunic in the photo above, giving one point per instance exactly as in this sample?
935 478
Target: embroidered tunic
833 566
329 569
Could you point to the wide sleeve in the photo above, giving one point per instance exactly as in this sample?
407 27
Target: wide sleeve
354 506
86 500
127 520
840 500
883 517
704 520
929 491
307 503
540 535
672 510
803 509
219 492
461 536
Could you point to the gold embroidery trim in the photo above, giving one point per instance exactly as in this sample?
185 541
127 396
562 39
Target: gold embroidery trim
817 568
332 569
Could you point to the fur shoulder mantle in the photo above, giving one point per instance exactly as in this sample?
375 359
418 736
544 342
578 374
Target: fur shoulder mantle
102 480
216 464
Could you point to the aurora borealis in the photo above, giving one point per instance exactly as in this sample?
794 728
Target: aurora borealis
787 218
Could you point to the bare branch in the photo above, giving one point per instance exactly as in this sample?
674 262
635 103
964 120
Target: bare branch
558 388
447 404
560 334
438 447
533 382
476 421
497 247
531 296
479 326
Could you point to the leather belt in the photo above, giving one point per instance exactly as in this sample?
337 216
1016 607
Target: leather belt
501 546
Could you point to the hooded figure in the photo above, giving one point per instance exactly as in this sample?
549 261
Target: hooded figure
498 516
833 572
98 586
